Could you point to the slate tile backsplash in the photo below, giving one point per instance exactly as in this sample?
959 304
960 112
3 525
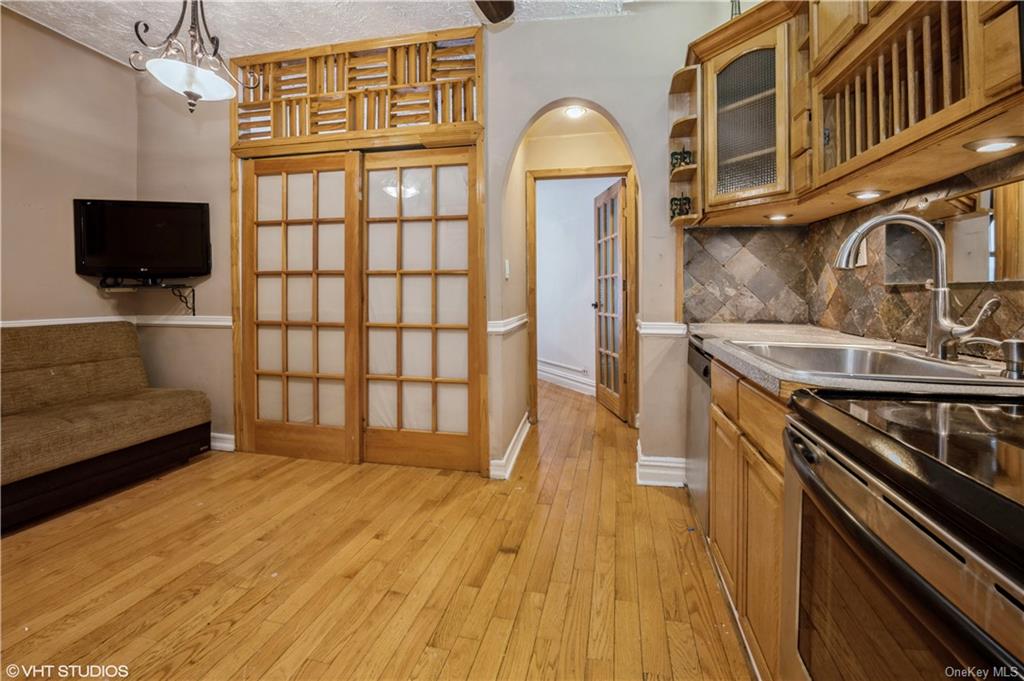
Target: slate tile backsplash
745 274
785 274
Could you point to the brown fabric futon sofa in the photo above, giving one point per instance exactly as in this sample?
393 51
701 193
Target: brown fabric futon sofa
79 418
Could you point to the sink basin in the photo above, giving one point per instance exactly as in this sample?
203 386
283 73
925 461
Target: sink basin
861 361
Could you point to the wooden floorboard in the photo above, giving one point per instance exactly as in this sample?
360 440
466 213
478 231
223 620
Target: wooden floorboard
259 567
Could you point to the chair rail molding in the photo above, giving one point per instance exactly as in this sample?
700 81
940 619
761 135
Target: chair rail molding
659 471
503 327
501 469
180 321
666 329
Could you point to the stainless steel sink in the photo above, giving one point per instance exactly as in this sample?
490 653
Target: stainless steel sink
870 362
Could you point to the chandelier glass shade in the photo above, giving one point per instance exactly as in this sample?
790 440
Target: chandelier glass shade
191 65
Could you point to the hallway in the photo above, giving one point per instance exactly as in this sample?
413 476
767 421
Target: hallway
253 566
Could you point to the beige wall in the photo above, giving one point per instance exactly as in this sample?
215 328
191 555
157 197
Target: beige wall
622 66
185 157
69 130
79 125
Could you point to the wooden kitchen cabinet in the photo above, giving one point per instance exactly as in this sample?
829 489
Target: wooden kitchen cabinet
746 128
1000 39
724 492
833 25
761 547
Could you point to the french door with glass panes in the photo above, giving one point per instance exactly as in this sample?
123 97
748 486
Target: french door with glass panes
301 287
422 311
609 223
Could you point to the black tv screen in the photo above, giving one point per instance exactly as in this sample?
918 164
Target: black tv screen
141 239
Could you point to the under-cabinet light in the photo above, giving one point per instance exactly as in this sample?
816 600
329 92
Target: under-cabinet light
994 145
779 217
868 194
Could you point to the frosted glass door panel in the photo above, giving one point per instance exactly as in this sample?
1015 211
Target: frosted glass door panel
417 246
383 404
268 347
331 247
332 402
300 196
268 298
453 190
268 197
417 192
331 197
452 408
452 244
300 298
268 248
300 247
331 298
294 256
382 246
270 402
416 352
416 300
452 299
331 351
382 192
452 354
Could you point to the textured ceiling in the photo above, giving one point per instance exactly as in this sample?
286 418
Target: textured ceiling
255 26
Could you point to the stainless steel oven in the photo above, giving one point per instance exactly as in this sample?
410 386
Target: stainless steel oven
874 587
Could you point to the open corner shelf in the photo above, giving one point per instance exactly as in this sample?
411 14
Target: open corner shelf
684 221
684 80
684 126
683 173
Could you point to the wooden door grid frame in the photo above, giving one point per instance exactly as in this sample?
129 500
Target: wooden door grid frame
477 200
630 337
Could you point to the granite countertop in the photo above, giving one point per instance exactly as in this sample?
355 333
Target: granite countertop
771 377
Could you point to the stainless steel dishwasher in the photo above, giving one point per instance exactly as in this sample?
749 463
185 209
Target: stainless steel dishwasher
698 404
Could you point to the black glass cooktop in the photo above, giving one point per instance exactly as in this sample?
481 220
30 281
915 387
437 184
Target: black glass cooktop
982 440
961 458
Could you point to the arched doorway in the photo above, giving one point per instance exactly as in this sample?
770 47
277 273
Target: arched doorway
581 269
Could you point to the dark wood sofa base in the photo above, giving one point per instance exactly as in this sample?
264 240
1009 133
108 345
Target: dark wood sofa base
24 501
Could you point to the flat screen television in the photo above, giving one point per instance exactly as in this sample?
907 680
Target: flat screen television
148 240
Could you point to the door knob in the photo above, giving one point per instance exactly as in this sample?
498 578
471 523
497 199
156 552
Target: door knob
593 305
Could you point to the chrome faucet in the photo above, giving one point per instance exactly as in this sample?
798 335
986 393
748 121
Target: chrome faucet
944 333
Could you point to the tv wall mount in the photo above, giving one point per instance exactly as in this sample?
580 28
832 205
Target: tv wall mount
186 293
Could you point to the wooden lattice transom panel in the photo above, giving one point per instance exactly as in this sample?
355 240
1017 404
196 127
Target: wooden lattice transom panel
428 79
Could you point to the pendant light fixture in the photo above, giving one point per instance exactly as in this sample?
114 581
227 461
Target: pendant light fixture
193 68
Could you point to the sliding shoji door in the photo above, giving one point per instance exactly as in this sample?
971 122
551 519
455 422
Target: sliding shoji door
300 287
423 310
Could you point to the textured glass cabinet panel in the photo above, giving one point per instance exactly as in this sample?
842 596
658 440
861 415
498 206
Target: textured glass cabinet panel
745 123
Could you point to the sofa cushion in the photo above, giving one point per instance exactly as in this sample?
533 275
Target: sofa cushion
45 439
44 366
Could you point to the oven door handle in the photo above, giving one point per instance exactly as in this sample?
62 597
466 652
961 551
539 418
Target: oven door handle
954 624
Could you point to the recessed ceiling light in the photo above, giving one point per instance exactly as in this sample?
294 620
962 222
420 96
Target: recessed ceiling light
868 194
994 145
575 111
779 217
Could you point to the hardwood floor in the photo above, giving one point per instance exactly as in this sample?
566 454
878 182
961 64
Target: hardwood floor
249 566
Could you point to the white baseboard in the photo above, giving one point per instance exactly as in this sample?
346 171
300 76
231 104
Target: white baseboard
659 471
222 442
501 327
565 376
501 469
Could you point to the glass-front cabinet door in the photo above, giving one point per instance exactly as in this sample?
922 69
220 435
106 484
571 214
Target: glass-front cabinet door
747 121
